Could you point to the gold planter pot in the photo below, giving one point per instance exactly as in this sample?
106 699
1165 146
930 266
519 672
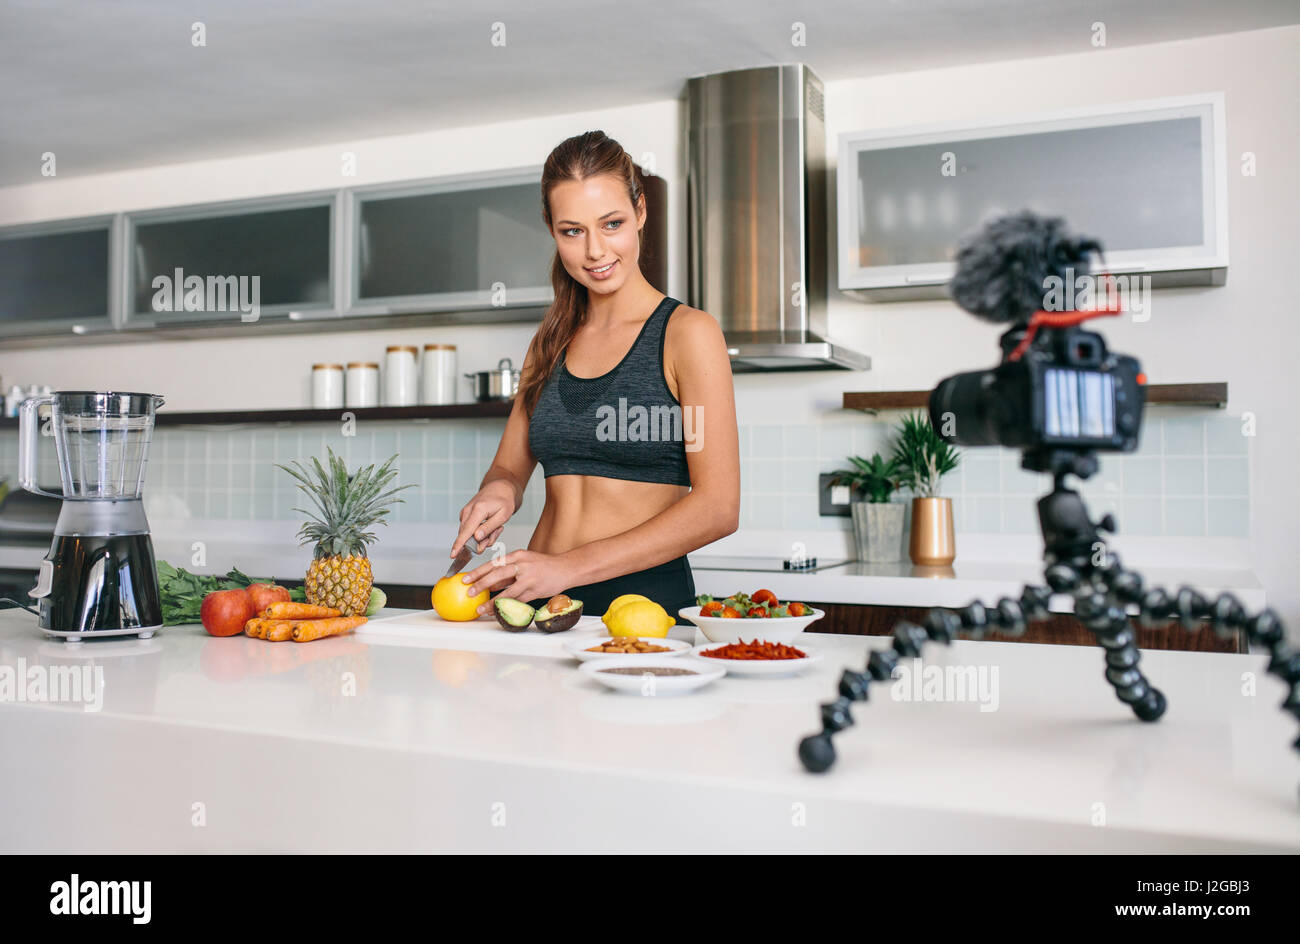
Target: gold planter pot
933 542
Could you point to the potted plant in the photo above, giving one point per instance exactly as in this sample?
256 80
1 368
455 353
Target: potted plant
923 458
877 522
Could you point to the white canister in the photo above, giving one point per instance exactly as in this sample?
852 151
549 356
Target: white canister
401 376
362 385
438 374
326 386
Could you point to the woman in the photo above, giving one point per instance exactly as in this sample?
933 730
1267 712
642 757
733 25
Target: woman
625 398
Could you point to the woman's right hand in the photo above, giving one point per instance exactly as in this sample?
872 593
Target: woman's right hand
485 515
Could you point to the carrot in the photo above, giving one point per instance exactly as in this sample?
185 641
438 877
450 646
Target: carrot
279 630
307 630
274 630
298 611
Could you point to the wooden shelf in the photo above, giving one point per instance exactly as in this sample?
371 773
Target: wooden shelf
454 411
1187 394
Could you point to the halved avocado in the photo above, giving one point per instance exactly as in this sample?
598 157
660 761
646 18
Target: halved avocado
559 613
513 615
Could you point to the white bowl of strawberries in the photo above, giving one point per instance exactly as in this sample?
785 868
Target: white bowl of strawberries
759 616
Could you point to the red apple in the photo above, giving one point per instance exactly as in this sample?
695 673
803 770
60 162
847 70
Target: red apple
224 612
264 594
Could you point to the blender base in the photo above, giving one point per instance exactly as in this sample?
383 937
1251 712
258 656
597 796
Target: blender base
99 577
72 639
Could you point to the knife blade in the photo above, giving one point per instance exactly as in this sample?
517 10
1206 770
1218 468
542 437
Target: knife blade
467 550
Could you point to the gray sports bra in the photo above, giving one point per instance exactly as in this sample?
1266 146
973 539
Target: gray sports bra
624 424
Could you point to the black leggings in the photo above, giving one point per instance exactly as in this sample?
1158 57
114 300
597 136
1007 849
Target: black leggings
671 585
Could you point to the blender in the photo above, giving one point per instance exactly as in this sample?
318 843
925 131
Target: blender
99 577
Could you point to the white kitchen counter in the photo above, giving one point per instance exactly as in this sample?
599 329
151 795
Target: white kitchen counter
205 744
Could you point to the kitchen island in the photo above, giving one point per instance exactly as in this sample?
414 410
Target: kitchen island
403 743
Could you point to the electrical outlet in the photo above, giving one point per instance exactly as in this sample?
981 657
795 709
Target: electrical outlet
832 500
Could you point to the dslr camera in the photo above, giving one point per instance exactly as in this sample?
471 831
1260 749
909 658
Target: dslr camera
1058 388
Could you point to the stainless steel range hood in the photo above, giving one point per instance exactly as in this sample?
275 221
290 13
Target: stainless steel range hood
756 200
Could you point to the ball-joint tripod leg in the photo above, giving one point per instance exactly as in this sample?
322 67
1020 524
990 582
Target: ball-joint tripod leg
1107 618
1099 609
817 752
1226 616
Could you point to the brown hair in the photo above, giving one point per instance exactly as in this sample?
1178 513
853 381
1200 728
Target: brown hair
577 158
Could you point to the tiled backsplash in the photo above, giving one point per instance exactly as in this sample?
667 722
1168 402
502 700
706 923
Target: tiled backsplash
1190 477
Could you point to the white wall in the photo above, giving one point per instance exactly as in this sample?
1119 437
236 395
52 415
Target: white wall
1244 333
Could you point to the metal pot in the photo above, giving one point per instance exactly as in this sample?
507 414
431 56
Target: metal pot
499 384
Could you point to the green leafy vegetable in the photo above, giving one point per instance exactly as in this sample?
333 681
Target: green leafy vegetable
183 592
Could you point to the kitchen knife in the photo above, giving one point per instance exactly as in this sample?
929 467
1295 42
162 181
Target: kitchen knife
467 550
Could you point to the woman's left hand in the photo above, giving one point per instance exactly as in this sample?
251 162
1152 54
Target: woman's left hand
521 575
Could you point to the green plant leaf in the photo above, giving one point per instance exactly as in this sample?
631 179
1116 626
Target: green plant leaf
922 456
872 479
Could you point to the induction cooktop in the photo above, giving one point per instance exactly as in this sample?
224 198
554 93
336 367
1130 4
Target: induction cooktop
808 564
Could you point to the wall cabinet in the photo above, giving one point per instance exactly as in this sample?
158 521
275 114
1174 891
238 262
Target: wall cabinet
465 249
474 242
1149 179
57 277
287 245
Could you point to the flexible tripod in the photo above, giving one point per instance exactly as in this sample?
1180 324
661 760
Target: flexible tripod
1077 562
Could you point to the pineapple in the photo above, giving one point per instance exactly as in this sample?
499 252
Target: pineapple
346 504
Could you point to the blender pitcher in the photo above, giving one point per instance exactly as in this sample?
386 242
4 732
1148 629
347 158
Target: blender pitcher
99 578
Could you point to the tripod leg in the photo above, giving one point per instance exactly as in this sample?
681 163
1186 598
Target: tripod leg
817 751
1122 655
1226 616
1103 613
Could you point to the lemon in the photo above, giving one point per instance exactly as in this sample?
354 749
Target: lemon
452 600
639 618
619 601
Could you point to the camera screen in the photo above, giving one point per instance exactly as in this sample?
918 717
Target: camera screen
1080 404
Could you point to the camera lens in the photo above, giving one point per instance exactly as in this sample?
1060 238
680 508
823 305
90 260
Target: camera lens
960 409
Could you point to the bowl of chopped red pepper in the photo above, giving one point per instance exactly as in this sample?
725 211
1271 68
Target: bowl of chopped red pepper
758 616
758 657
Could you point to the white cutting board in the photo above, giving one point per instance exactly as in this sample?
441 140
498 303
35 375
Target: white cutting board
427 629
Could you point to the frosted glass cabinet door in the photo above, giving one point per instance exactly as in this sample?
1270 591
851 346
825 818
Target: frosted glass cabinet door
287 248
55 278
440 246
1147 182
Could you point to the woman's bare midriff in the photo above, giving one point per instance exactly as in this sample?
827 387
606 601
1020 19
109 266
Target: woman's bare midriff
584 508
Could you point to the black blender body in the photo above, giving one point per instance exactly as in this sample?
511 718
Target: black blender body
103 582
99 577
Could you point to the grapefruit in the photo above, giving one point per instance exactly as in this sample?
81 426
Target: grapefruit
452 601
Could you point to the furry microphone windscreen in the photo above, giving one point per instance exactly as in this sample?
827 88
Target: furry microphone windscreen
1002 268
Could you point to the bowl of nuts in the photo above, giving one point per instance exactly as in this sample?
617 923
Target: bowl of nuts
615 647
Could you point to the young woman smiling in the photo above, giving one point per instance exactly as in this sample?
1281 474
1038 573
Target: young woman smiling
625 398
